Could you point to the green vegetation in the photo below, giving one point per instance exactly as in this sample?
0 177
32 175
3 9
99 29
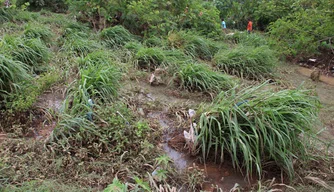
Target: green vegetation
256 125
200 77
12 73
247 62
116 36
90 99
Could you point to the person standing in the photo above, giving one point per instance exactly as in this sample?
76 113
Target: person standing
249 26
223 24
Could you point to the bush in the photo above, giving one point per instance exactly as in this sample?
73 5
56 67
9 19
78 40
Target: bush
200 77
12 73
58 6
247 62
33 30
116 36
150 58
255 126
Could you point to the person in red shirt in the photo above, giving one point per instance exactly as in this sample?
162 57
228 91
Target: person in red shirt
249 26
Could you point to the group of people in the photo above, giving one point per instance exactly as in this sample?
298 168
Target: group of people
249 25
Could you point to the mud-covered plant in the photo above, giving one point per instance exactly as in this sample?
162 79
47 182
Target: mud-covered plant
116 36
33 30
256 126
12 73
194 76
149 58
247 62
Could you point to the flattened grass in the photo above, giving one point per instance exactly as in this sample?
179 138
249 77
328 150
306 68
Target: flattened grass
255 126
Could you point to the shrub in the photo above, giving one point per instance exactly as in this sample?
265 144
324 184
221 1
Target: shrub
150 58
200 77
58 6
33 30
247 62
116 36
11 74
255 126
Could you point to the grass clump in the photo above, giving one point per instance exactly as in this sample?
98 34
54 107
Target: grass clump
149 58
79 46
256 126
33 30
116 36
247 62
30 51
101 81
194 45
154 42
12 73
253 39
200 77
24 99
100 57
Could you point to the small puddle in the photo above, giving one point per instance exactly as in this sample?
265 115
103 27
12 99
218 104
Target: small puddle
223 177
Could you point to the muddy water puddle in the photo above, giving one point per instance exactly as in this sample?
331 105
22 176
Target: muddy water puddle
307 72
223 177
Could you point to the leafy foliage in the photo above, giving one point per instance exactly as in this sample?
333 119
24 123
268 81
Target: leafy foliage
256 125
247 62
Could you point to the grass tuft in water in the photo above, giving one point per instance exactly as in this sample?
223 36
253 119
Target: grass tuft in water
257 125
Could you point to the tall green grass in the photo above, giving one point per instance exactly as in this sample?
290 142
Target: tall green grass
12 73
96 58
149 58
78 45
195 45
30 51
34 30
101 81
247 62
253 39
200 77
116 36
257 125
